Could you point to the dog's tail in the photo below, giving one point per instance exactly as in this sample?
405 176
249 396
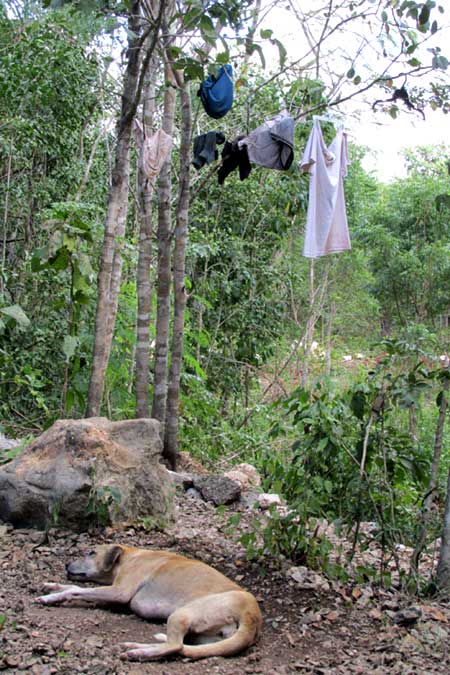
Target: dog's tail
250 621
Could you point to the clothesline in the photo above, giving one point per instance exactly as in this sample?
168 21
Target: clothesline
270 145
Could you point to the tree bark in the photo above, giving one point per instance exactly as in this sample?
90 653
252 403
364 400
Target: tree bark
143 274
443 569
430 494
179 256
111 262
164 273
331 315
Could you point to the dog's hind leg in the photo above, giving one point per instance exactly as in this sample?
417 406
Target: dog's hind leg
178 625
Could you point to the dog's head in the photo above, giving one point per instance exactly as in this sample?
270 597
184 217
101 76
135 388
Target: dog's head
98 565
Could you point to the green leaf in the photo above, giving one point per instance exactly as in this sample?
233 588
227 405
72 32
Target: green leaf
434 27
173 52
393 112
222 58
70 345
440 62
357 80
257 48
16 312
207 30
424 15
282 53
266 34
192 362
351 73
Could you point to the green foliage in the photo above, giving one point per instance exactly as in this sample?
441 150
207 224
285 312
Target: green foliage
103 502
407 237
12 453
49 105
322 473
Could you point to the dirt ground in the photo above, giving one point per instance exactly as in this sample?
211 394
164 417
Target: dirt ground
343 631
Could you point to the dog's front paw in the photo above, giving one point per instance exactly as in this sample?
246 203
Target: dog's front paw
50 586
45 599
54 598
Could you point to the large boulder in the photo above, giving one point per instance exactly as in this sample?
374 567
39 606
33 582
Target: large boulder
89 470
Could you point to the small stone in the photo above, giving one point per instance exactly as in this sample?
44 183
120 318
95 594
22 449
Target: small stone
407 616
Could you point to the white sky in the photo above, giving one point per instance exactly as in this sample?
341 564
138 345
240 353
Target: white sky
388 138
384 136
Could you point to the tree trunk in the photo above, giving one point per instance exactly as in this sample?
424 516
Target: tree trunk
443 569
164 274
310 326
182 216
111 261
143 274
329 342
430 495
106 303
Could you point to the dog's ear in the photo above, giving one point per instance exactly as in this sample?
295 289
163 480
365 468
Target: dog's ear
112 556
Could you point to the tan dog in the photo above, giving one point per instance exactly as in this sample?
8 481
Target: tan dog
217 614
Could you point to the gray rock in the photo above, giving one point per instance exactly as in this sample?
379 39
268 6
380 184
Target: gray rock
185 480
249 499
80 469
192 492
217 489
407 616
8 443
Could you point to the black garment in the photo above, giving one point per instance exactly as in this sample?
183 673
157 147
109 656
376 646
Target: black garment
205 150
234 157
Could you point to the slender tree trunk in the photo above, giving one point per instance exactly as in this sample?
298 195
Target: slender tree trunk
111 262
143 275
430 495
329 344
106 303
181 229
164 273
413 424
443 569
310 325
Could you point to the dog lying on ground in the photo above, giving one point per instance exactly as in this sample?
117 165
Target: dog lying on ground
216 615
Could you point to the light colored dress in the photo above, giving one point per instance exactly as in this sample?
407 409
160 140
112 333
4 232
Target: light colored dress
326 226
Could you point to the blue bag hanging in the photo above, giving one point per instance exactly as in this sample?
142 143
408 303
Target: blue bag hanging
216 92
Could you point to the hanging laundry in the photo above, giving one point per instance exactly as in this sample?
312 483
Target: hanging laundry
234 157
272 144
326 226
153 149
205 148
217 92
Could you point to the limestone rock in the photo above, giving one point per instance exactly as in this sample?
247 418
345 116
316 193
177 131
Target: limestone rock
79 467
244 474
217 489
184 480
268 499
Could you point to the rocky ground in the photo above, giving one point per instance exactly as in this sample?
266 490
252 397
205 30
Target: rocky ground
324 629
